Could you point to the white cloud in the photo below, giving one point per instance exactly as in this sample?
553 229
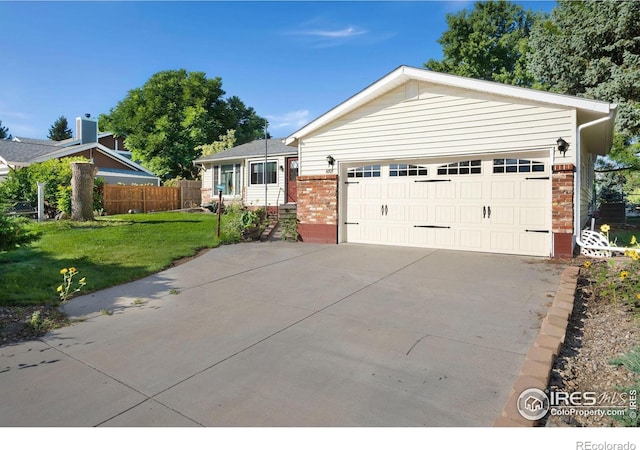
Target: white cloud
290 120
344 33
319 33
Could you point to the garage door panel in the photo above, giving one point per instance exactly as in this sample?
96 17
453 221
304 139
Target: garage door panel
533 217
503 190
471 190
503 241
418 214
445 215
445 190
470 215
471 239
502 215
534 190
419 191
397 191
530 243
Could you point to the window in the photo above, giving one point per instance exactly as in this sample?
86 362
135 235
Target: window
229 176
461 168
517 165
364 172
257 172
406 170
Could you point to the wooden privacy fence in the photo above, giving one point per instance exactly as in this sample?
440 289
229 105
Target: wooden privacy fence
120 199
190 195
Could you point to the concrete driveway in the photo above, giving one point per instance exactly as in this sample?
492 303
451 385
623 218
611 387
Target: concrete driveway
283 334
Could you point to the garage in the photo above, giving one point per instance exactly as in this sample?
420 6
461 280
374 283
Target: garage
497 203
426 159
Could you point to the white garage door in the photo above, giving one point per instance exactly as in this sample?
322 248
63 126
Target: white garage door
497 205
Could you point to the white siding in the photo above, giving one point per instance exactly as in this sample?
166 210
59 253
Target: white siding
438 121
256 192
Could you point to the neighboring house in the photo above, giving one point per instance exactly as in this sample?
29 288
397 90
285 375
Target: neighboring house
241 172
427 159
107 152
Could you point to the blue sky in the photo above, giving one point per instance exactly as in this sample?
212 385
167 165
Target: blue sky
290 61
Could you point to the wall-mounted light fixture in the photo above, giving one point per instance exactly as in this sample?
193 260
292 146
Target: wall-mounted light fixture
331 161
563 146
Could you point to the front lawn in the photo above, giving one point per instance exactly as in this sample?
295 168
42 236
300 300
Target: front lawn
108 251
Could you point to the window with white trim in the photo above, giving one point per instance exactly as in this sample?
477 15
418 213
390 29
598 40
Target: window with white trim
517 166
229 175
364 171
406 170
258 176
470 167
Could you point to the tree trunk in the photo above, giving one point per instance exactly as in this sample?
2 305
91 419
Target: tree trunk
82 191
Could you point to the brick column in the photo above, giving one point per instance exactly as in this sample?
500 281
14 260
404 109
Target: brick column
205 195
317 205
562 184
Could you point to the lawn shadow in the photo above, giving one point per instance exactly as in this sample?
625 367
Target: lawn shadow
116 299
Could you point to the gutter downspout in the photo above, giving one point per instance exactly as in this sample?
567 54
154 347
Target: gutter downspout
577 188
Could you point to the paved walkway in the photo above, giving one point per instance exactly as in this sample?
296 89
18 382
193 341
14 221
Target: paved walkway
283 334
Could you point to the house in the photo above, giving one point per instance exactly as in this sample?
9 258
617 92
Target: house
427 159
106 151
241 173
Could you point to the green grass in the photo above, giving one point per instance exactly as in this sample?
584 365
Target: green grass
109 251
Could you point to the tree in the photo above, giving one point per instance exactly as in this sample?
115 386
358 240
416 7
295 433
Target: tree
60 130
592 50
223 143
173 113
4 132
489 42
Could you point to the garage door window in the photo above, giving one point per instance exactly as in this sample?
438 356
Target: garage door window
406 170
470 167
364 172
517 166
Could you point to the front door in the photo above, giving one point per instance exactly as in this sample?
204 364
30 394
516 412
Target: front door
292 176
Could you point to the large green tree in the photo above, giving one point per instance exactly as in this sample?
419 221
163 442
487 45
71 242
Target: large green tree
172 114
592 49
489 42
60 130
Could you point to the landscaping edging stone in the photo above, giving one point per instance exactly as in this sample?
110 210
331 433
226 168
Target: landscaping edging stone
538 363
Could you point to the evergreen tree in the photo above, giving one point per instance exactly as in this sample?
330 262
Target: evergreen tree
4 132
60 130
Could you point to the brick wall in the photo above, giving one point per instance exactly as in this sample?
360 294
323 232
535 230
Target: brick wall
318 208
562 184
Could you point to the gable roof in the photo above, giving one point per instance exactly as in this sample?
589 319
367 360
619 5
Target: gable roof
24 151
403 74
274 146
19 152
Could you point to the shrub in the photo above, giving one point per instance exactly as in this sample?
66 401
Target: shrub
22 184
14 232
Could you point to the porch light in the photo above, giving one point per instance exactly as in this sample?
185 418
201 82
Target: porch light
331 161
563 146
